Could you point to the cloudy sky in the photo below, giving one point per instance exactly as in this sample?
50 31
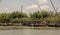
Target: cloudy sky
28 5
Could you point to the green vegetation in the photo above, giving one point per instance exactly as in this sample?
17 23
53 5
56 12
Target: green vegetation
17 16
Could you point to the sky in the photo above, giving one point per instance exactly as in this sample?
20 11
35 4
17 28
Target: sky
28 5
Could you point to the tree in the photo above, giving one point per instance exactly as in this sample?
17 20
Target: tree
44 14
18 14
4 18
39 15
36 15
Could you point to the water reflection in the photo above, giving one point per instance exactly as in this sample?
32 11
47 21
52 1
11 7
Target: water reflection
29 32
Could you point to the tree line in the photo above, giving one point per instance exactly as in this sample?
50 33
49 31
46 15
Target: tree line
17 16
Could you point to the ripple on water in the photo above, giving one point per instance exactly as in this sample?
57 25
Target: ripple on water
29 32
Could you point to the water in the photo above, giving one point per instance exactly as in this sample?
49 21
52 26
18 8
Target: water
29 32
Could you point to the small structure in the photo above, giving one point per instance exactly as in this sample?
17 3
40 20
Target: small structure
29 23
34 23
51 25
57 25
3 24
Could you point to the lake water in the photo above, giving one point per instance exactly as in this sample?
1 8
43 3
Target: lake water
29 32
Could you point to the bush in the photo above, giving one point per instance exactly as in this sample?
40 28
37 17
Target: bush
17 20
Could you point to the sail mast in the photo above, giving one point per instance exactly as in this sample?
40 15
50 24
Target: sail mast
53 6
21 8
38 5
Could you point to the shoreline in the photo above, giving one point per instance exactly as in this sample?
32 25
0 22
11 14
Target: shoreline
25 27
